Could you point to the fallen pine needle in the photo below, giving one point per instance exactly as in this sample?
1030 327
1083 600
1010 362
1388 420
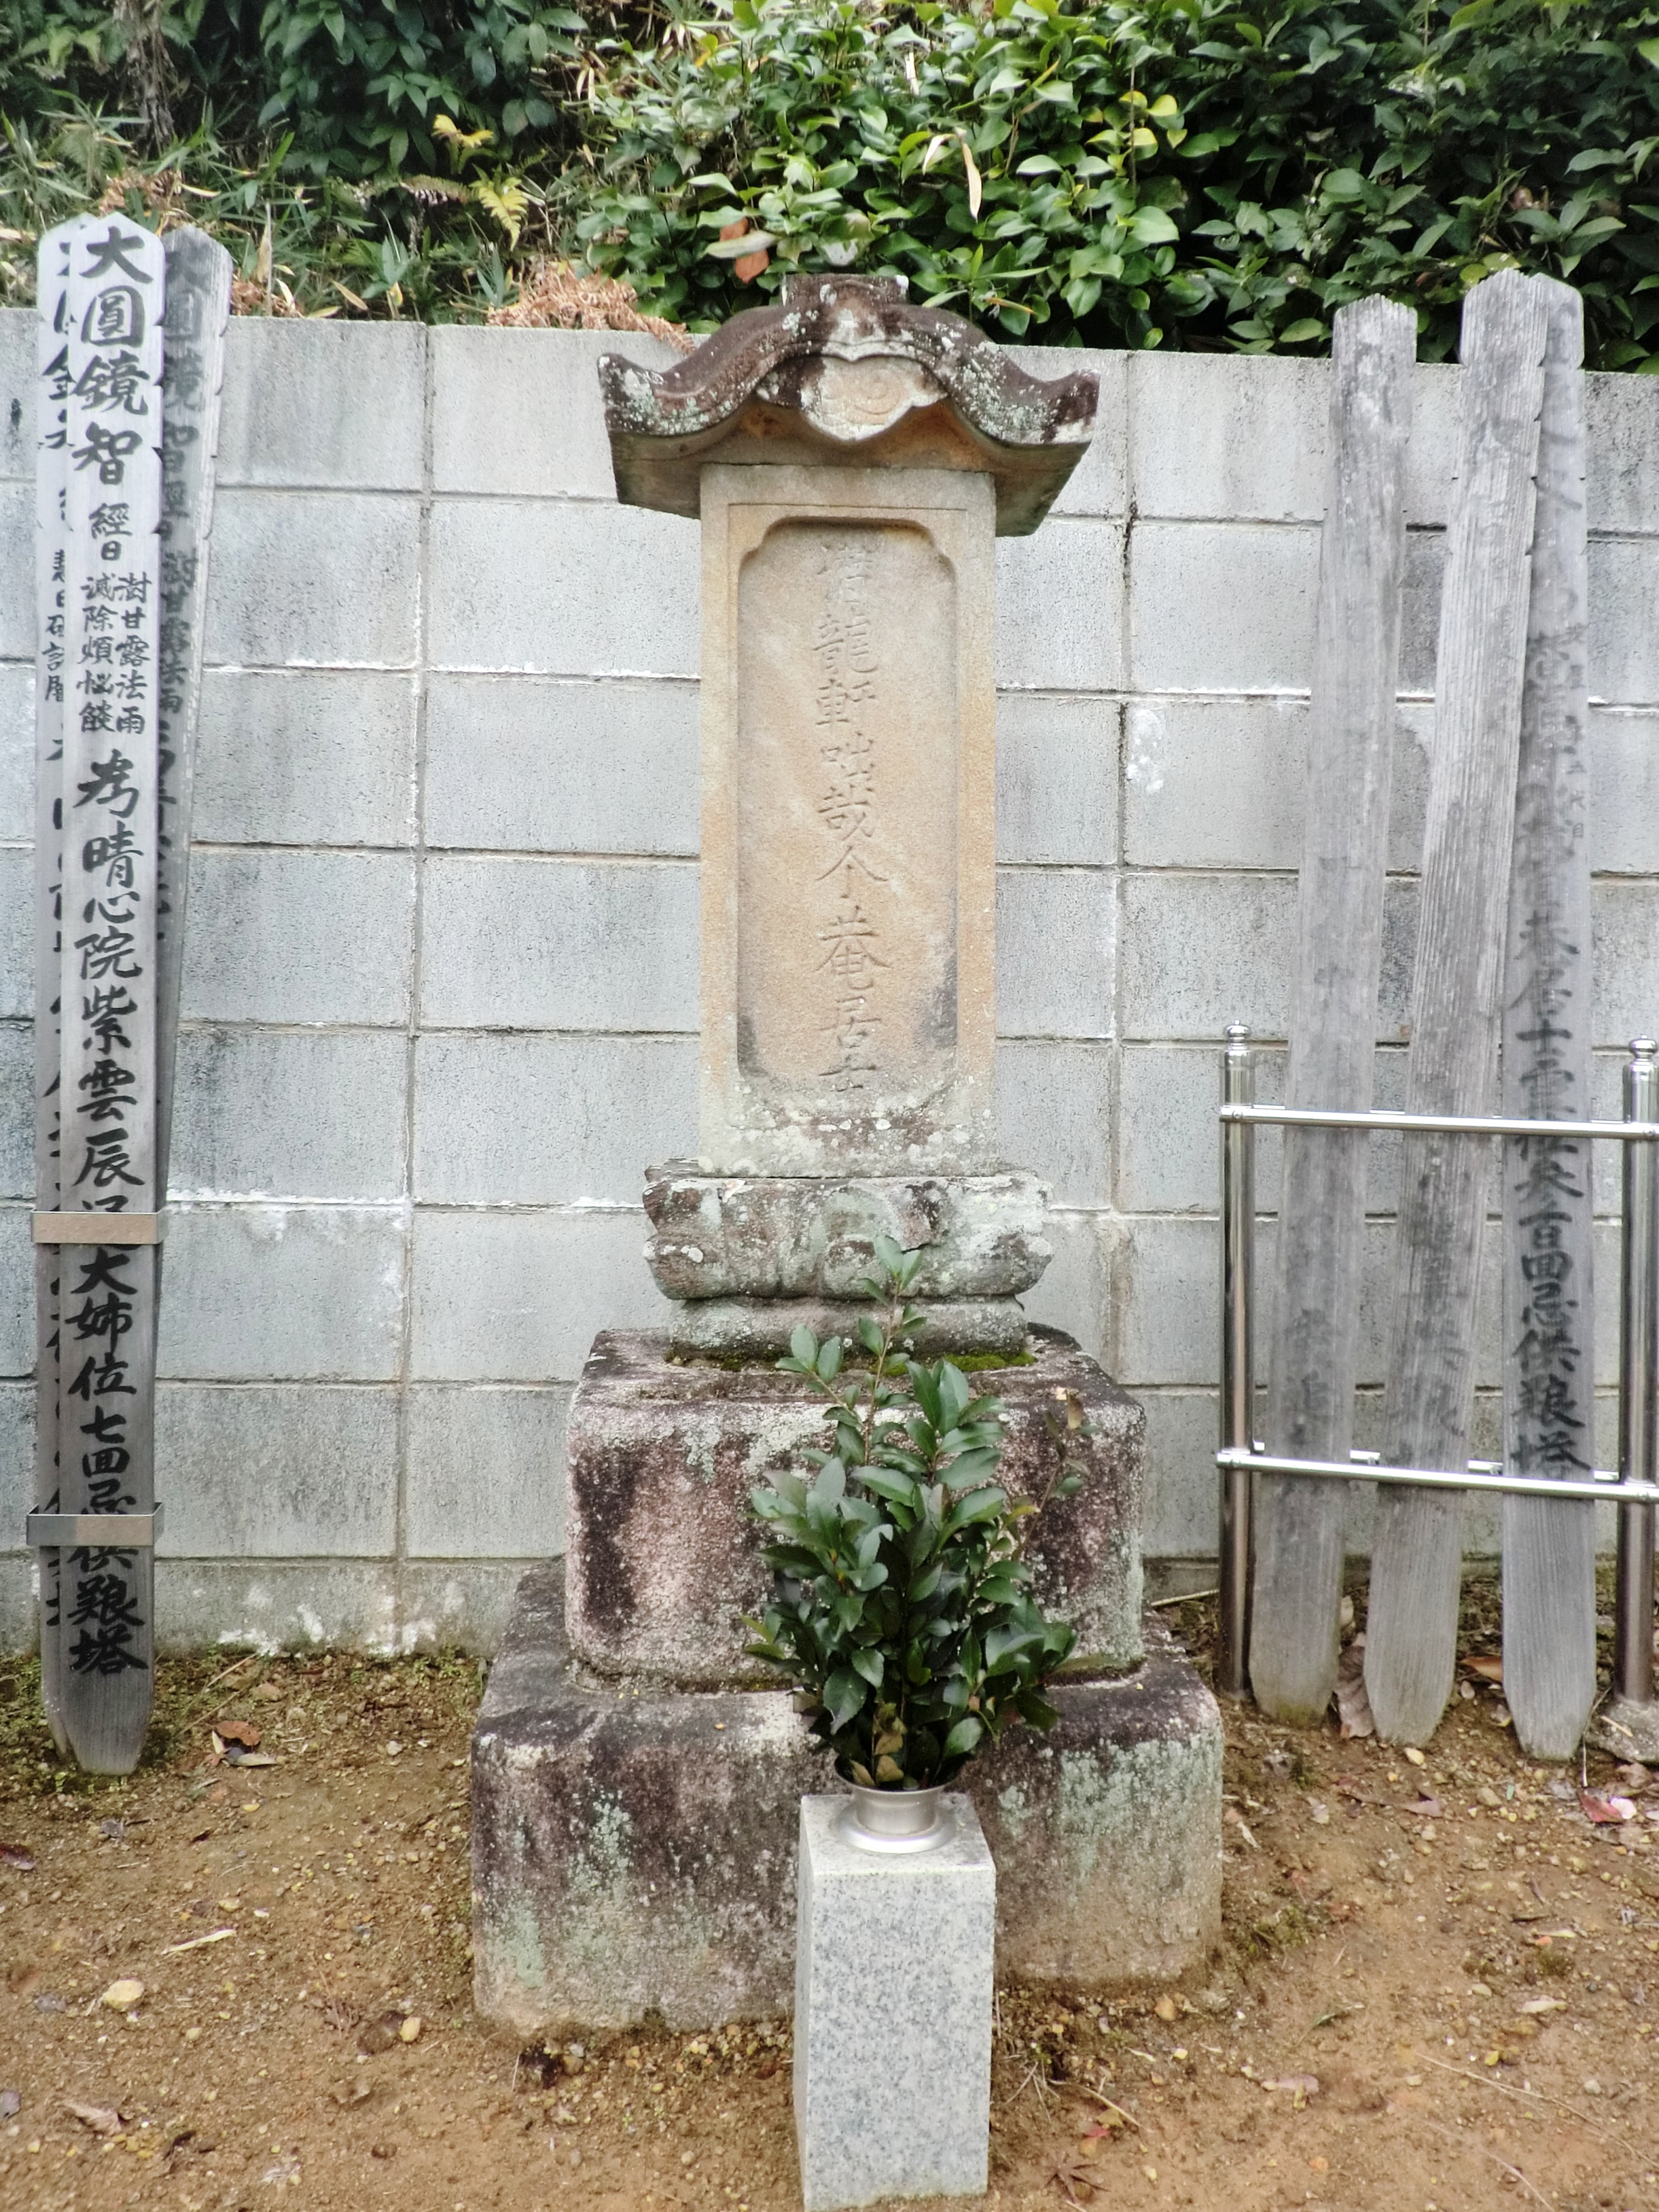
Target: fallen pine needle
1513 2172
198 1943
1526 2096
1083 2090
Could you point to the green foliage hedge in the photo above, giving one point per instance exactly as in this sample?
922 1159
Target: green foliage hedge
1182 174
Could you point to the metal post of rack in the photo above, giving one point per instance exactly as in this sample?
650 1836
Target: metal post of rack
1638 1382
1238 1367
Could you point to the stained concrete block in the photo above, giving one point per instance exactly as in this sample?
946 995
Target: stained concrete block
255 1470
1222 783
16 750
1182 1515
1420 609
518 411
324 404
314 578
577 589
378 1605
603 1105
563 944
1624 935
1201 951
1098 484
284 1114
536 763
17 374
1256 583
17 1292
1055 1112
1056 951
299 937
16 933
1169 1145
766 1237
1221 434
16 1473
20 1612
276 1605
1059 623
1166 1316
633 1855
1624 577
305 756
663 1554
1624 796
17 570
1075 1294
17 1124
275 1292
485 1477
894 1980
517 1297
1621 476
1056 778
1432 450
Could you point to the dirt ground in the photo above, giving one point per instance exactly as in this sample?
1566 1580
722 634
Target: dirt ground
1437 1991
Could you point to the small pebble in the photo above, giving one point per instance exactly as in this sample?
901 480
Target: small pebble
121 1997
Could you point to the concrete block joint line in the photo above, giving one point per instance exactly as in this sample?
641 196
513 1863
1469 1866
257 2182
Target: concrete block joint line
441 989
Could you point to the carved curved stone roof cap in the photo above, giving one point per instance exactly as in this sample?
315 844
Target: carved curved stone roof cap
844 362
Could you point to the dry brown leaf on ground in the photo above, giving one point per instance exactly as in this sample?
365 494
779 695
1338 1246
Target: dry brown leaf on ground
552 295
1604 1811
242 1732
102 2119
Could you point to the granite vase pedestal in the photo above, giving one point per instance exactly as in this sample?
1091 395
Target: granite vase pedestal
636 1783
894 1984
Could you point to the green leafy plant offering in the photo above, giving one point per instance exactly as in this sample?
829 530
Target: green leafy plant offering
903 1607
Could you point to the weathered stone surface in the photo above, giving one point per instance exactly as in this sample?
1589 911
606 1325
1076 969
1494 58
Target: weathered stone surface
1628 1731
848 778
844 367
637 1855
760 1328
894 1985
1106 1829
663 1556
792 1236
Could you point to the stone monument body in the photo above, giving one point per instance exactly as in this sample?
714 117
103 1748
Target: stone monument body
636 1780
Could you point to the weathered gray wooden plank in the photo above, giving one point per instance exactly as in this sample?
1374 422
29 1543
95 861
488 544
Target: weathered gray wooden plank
1549 1551
111 824
1315 1304
197 311
51 571
1416 1555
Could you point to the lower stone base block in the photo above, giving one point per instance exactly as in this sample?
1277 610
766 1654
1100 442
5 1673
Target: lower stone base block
894 1984
635 1855
1628 1731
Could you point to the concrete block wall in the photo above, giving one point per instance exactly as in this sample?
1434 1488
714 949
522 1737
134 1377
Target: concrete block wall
440 983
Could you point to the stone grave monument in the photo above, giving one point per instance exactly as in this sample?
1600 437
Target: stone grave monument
636 1778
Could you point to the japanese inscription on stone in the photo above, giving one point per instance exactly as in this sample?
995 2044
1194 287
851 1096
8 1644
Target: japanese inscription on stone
848 751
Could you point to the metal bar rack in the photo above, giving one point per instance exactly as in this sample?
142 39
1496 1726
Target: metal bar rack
1633 1486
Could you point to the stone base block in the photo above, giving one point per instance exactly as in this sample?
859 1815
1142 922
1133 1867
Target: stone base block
814 1237
663 1556
894 1984
637 1855
1628 1730
761 1329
